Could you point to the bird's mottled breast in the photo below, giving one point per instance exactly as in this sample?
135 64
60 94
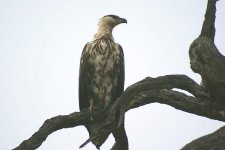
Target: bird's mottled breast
104 57
104 54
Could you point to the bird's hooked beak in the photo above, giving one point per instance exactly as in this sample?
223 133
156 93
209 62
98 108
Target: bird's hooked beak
123 20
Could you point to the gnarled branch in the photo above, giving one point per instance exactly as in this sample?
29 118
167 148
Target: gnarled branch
146 91
214 140
206 59
52 125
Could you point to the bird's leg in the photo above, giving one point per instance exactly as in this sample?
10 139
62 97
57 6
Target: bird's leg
107 103
91 108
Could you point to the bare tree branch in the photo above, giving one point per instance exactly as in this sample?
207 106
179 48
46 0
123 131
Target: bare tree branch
206 59
152 90
52 125
208 27
213 141
147 91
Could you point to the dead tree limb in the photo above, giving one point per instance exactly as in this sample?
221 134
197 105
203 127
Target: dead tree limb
149 90
206 59
212 141
208 27
52 125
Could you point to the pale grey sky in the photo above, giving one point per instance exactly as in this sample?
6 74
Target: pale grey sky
40 46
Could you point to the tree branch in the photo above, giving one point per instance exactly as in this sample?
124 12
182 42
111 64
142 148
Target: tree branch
149 90
206 59
144 92
52 125
208 27
212 141
152 90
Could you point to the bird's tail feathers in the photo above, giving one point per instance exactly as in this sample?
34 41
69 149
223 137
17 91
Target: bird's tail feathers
93 131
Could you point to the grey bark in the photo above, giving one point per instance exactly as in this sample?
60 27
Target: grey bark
214 141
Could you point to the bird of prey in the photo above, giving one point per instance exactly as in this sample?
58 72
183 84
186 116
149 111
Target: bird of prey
101 76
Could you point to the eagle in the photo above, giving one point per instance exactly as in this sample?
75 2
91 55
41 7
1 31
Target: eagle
101 74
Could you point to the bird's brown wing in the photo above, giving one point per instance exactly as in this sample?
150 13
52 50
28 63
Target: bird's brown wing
85 72
121 75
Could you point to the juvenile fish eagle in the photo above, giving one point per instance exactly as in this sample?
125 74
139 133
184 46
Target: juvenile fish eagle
101 78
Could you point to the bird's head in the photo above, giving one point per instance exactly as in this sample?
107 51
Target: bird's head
107 23
112 20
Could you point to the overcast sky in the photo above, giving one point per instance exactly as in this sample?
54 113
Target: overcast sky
40 46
